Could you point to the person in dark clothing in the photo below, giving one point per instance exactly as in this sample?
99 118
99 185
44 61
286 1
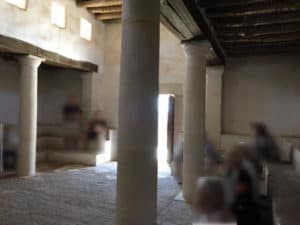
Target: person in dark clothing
97 132
242 174
72 123
264 143
72 111
245 206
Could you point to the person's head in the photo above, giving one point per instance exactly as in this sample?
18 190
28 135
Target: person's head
210 196
72 99
98 114
259 130
238 154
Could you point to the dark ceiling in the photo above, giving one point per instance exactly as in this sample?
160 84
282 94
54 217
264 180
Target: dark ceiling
253 26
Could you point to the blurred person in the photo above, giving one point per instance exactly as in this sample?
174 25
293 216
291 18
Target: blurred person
239 155
212 203
212 158
72 122
97 132
245 204
178 160
242 177
264 143
10 145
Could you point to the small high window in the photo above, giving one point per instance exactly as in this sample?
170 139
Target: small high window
19 3
85 29
58 14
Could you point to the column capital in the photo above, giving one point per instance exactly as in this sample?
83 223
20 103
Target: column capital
30 60
218 69
196 48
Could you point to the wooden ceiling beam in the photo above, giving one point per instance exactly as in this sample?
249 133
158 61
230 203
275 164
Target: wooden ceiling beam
270 39
230 3
206 27
267 39
259 49
99 3
262 35
111 9
278 45
109 16
254 20
263 29
255 9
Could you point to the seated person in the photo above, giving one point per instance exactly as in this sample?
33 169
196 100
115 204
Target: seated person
97 132
10 145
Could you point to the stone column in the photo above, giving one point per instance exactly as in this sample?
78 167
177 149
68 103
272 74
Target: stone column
194 116
139 89
26 155
214 103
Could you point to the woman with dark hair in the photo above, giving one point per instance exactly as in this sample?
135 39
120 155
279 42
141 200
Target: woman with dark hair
264 143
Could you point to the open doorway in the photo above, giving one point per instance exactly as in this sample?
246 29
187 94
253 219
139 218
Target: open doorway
165 132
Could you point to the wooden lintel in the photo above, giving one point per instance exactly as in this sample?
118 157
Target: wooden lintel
109 16
181 10
171 15
206 27
99 3
111 9
18 47
170 27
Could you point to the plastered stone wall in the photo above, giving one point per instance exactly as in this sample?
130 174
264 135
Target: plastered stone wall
34 25
262 88
9 94
54 86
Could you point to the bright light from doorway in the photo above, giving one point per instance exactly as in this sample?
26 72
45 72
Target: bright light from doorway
19 3
85 29
162 148
58 14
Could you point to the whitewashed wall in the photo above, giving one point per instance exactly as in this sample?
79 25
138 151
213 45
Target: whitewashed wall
54 86
262 88
33 25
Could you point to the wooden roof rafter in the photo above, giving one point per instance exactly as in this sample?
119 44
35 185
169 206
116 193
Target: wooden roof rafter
262 25
105 10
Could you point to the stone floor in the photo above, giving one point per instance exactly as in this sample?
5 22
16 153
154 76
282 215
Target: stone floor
285 185
79 197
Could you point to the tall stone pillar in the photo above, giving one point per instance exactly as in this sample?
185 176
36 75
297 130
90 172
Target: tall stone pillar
26 155
194 116
139 89
214 76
